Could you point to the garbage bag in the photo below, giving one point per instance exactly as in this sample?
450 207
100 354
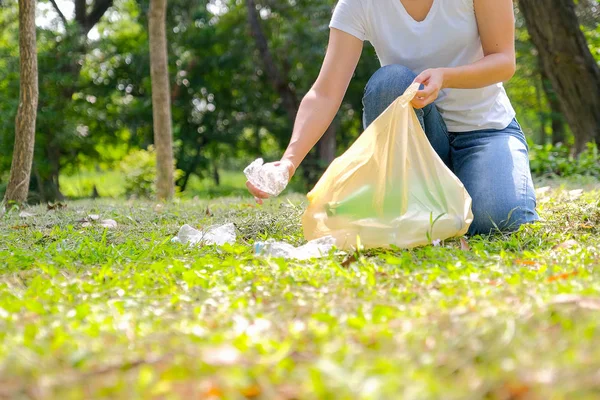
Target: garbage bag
389 188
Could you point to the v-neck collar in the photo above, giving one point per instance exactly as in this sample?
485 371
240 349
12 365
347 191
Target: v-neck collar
428 18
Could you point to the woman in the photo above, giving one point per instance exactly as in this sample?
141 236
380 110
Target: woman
460 51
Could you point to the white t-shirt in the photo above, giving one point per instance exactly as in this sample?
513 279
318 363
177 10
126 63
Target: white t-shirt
448 37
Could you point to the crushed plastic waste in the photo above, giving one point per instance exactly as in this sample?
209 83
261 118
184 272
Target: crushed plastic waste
217 234
314 249
221 234
269 178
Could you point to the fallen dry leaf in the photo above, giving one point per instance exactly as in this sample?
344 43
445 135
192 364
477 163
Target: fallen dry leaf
584 226
516 391
349 260
210 390
20 227
566 245
287 392
575 194
221 356
542 190
208 212
464 245
108 223
590 303
56 206
251 391
563 276
526 262
94 219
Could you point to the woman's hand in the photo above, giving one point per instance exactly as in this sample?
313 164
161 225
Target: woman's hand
258 194
433 80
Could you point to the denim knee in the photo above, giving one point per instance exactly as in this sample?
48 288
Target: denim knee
491 217
384 87
390 81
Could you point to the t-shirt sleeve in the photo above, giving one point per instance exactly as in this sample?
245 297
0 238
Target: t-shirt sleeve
349 17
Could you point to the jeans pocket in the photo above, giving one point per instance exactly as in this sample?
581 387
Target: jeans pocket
514 128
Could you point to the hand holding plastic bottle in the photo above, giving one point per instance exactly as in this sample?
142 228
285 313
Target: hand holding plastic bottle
266 180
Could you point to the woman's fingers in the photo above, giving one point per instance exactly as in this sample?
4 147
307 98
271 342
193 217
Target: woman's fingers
259 194
424 101
418 104
291 168
423 76
425 92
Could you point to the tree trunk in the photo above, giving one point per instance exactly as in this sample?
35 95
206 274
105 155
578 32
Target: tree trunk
20 171
161 101
274 74
568 63
540 106
87 20
216 175
556 117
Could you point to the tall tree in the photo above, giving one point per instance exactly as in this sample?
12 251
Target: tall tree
20 171
568 63
161 99
88 19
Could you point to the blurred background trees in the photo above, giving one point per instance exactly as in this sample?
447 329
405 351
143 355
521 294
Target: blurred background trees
238 70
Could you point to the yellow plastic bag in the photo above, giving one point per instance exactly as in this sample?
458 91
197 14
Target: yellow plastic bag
389 188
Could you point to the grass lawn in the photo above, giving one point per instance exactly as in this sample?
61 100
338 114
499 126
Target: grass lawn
123 313
112 184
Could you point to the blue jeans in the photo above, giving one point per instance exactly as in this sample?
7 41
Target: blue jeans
492 164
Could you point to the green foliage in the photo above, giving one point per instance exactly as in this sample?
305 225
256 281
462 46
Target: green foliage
88 312
548 160
81 184
139 172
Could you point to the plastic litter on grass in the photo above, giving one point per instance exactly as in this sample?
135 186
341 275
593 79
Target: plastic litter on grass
218 234
268 178
314 249
222 234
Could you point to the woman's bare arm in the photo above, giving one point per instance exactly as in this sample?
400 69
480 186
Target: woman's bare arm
321 103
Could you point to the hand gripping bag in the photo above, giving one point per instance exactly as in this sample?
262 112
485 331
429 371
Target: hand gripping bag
389 188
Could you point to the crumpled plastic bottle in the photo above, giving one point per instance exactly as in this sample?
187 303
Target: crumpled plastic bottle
268 178
314 249
217 234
